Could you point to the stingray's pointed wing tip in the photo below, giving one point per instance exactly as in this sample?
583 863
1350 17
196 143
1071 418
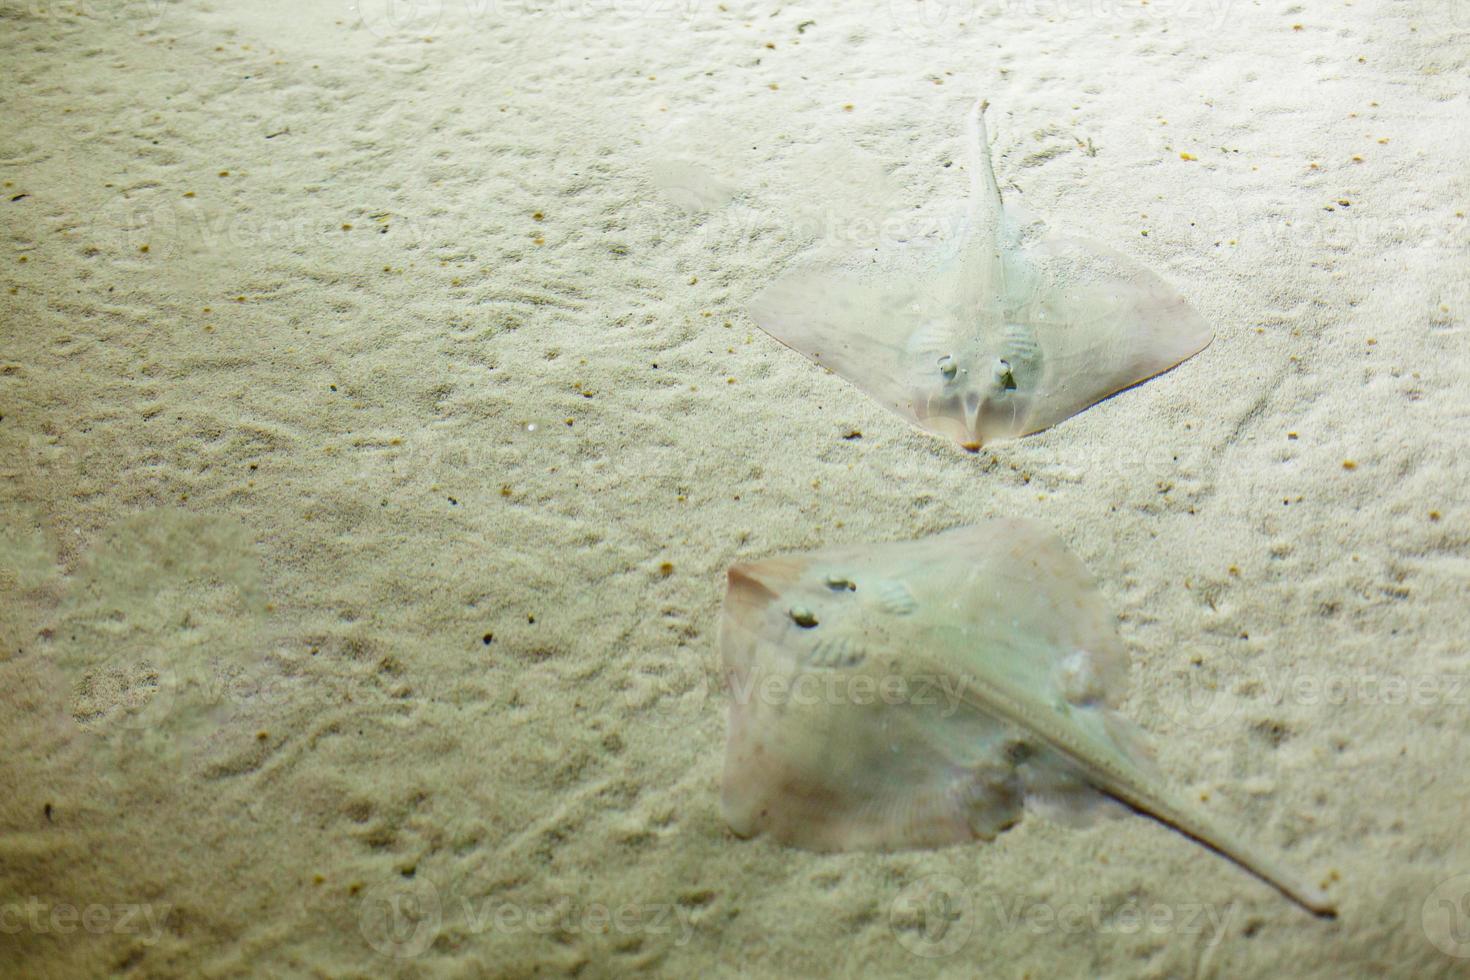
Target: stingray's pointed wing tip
775 311
764 307
1195 337
1194 342
1198 329
806 310
1177 336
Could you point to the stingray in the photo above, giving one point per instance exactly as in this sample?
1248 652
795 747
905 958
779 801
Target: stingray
924 693
990 334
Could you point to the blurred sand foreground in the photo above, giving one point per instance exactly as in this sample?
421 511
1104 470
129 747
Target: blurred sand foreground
378 415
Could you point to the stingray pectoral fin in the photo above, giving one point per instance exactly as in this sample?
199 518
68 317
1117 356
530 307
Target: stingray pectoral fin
1158 328
1104 323
857 327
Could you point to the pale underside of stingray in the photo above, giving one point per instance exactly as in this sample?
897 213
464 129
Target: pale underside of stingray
985 336
923 693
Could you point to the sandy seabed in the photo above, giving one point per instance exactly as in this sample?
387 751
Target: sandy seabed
379 413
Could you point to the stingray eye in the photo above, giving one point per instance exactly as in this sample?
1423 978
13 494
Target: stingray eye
802 616
839 583
1003 376
947 366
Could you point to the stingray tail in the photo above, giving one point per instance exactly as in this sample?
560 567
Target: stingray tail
984 192
1259 863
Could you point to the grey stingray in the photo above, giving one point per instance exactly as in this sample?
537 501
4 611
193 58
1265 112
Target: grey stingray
988 335
922 693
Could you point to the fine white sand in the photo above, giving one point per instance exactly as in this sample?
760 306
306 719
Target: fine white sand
379 414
